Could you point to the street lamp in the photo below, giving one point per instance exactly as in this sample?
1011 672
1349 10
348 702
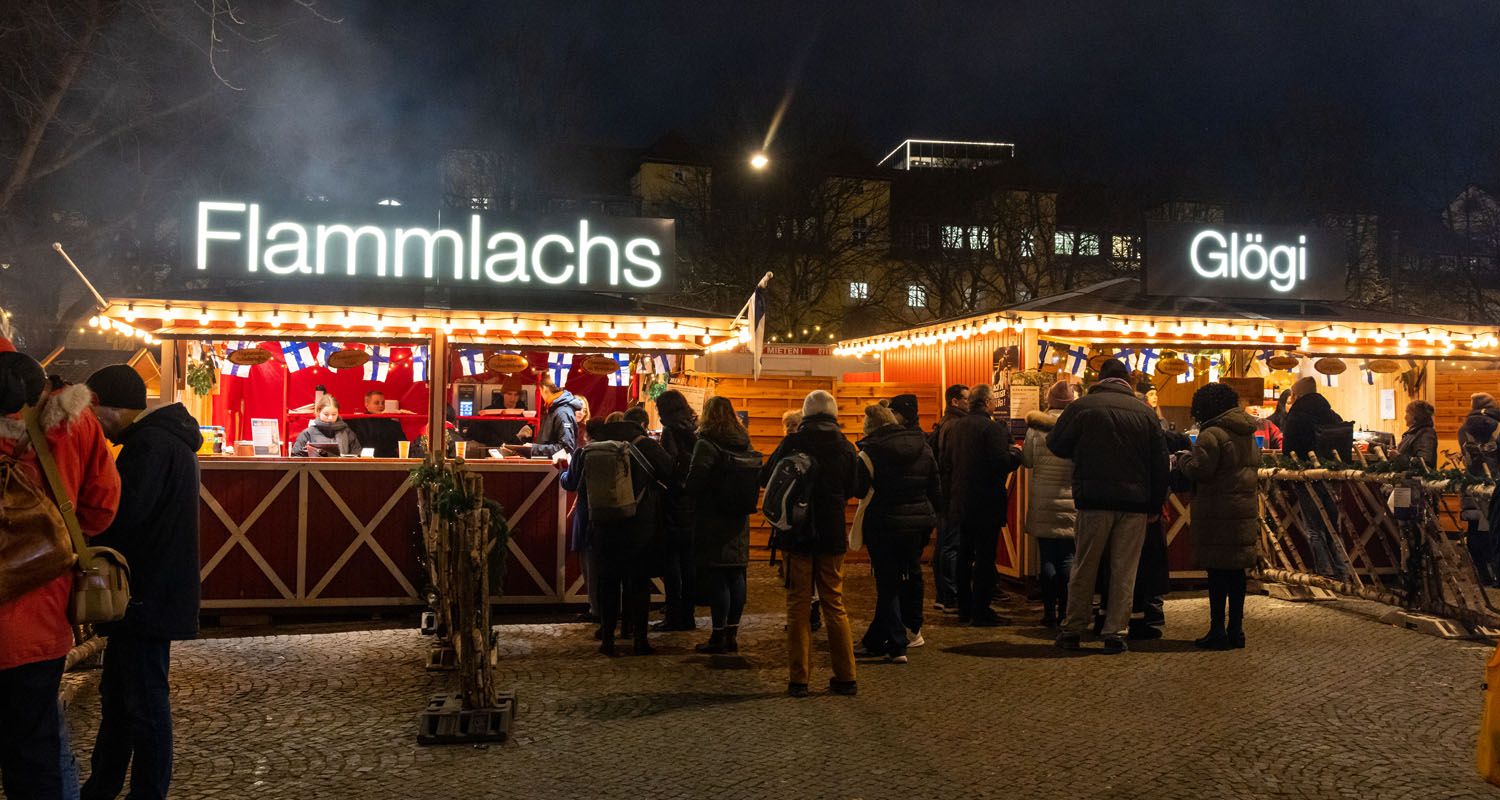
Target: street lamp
759 161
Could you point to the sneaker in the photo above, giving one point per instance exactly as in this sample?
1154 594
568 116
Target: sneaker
940 606
901 659
1069 641
914 639
846 688
796 689
861 651
1114 645
1141 632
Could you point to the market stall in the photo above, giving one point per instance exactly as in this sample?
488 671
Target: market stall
429 360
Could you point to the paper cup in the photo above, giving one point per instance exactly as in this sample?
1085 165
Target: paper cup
460 449
403 449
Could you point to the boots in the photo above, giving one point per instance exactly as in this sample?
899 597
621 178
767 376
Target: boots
732 639
715 643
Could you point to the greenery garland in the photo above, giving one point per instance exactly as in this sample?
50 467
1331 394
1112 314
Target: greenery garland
1387 469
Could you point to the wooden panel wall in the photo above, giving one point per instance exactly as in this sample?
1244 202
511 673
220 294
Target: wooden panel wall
1453 389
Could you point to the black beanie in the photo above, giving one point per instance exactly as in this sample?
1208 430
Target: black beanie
119 386
905 406
22 381
1114 368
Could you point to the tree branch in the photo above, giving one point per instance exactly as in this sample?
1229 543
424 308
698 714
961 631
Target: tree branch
114 133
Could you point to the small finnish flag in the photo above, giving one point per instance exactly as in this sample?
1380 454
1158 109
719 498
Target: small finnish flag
1078 360
470 362
379 365
298 355
231 369
419 362
326 351
559 364
621 376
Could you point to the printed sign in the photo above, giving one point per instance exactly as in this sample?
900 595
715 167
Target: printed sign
1024 400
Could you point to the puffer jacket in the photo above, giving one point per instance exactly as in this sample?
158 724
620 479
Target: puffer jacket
720 538
1300 434
820 437
679 437
1050 513
1474 434
1420 442
559 427
906 495
1117 448
1226 502
337 432
34 627
977 458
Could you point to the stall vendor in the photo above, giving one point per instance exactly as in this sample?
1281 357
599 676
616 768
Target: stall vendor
326 434
502 431
378 432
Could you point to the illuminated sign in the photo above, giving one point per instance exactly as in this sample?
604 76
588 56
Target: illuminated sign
246 240
1245 261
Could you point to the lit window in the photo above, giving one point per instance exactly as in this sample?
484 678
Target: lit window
481 203
1088 244
1122 247
1028 244
916 296
979 238
861 229
388 201
953 237
859 290
1063 242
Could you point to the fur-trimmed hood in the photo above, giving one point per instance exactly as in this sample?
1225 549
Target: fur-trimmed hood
57 409
1041 420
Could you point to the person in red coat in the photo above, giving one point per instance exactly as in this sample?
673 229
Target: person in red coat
34 633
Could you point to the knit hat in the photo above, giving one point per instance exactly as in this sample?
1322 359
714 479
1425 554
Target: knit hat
878 416
1305 386
22 381
905 406
119 386
1114 368
1061 394
1481 400
819 401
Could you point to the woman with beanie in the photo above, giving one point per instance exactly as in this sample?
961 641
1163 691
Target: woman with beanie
721 537
897 470
679 434
1226 510
34 633
1050 514
818 560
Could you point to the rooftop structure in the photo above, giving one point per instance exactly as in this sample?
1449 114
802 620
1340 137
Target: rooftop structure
944 154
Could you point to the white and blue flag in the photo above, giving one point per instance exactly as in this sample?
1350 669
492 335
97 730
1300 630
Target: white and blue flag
470 362
1078 360
325 351
298 355
420 358
378 368
559 364
1042 346
621 376
1146 360
227 367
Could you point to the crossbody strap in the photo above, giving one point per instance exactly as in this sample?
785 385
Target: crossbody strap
60 493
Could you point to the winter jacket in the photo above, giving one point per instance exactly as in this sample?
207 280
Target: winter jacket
378 433
937 441
34 627
907 495
820 437
336 432
1300 434
156 528
1420 442
679 438
721 538
977 458
559 427
1117 448
1272 433
629 535
1050 513
1226 501
1474 434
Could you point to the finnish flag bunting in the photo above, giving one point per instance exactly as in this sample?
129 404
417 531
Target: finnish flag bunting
298 355
1146 360
621 376
1186 377
1331 380
1078 360
1213 369
233 370
378 368
1369 377
470 362
660 364
1126 357
325 351
559 364
420 358
1042 346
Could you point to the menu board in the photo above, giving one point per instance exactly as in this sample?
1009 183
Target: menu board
263 434
1024 400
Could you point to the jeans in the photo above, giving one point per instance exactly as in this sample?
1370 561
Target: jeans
726 598
896 560
976 572
1117 535
678 582
1226 591
67 763
1057 565
1327 551
945 564
826 572
30 730
624 588
135 722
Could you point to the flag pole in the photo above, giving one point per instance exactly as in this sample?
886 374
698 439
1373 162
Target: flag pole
745 309
99 298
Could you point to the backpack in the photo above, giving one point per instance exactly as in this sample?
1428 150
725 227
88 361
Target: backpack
34 543
611 481
788 503
739 480
1335 440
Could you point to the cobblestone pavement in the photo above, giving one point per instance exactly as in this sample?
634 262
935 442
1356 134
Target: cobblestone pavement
1326 702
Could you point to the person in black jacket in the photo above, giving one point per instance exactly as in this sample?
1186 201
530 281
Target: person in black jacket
721 537
945 552
156 529
1476 443
1119 484
821 564
1319 508
679 434
897 523
623 577
978 456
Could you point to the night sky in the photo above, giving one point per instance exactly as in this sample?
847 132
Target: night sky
1255 97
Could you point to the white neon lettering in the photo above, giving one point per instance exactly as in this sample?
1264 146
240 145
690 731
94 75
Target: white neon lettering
1284 277
1252 248
1285 265
516 255
351 247
205 235
1217 272
253 239
474 249
430 241
536 258
585 243
650 266
298 249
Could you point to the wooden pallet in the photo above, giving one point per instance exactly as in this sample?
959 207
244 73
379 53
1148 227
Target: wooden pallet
446 721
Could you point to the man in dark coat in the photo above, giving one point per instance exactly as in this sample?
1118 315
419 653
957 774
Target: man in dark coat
945 553
1476 441
1119 484
1320 509
559 425
380 434
977 457
677 564
156 529
904 406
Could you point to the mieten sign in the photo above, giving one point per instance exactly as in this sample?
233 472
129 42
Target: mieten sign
1245 261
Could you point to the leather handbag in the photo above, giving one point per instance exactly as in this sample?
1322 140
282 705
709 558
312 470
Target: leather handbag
101 580
34 546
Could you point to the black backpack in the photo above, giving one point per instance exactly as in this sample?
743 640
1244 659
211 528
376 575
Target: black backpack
739 480
788 503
